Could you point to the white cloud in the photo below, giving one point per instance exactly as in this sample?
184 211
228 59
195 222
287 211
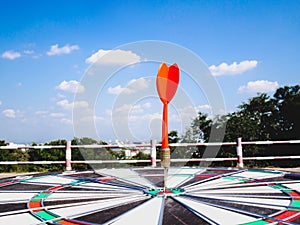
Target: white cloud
132 87
119 57
0 103
11 55
56 115
139 84
72 86
130 109
124 108
41 113
65 104
67 49
259 86
66 121
147 105
119 89
92 118
147 117
28 52
202 107
137 109
233 69
108 112
60 96
10 113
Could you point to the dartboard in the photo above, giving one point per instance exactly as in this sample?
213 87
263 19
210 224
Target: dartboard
132 196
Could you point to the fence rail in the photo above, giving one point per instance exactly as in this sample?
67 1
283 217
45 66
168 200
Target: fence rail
153 146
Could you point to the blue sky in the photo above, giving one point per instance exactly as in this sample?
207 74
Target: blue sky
48 47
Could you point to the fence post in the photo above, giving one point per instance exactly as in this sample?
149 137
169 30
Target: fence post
239 152
153 153
68 156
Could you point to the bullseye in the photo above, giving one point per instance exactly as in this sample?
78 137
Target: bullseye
160 192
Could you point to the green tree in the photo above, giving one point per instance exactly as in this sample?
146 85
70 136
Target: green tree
287 114
45 154
199 130
253 120
90 153
173 136
13 155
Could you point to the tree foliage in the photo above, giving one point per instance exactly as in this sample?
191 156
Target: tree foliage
12 155
260 118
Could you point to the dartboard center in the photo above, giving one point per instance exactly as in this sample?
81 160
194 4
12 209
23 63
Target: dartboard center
160 192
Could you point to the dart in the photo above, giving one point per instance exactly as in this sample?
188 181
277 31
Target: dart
166 83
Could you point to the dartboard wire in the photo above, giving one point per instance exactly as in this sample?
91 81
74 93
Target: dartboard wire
54 207
181 172
74 216
291 208
71 217
143 178
46 214
257 216
240 182
282 189
141 210
59 206
242 195
112 187
37 201
8 183
100 193
262 205
124 179
197 213
293 217
109 185
233 175
92 202
204 194
53 199
18 191
126 184
92 190
110 191
186 187
240 185
131 187
220 182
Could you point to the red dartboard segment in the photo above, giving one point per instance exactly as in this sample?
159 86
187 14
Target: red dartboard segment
167 82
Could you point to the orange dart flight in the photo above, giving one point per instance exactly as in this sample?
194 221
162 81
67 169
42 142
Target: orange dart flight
166 83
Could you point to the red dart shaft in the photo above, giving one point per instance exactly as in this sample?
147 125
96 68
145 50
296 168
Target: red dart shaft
165 141
165 151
